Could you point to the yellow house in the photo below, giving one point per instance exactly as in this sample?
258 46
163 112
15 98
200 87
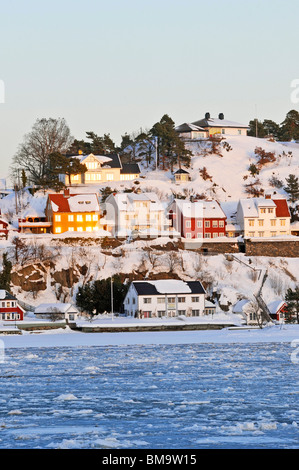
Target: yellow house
103 169
73 212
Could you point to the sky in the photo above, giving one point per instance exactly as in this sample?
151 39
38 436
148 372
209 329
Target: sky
118 66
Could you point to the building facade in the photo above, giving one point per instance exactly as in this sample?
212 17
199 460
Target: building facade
165 298
73 212
9 308
198 219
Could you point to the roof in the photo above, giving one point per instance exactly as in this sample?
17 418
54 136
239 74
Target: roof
125 201
181 171
130 168
239 306
4 295
275 306
107 161
168 286
216 122
187 127
282 209
200 209
74 203
250 206
55 308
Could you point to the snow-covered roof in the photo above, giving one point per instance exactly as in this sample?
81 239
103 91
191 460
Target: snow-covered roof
74 203
239 306
187 127
216 122
58 307
275 306
200 209
250 206
126 201
100 158
168 286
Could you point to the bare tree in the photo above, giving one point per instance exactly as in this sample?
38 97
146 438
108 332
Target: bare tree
46 137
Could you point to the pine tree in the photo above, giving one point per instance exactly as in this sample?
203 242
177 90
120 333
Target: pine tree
289 129
292 188
5 275
292 300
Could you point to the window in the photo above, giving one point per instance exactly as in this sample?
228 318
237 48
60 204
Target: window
58 230
251 222
171 300
181 312
199 234
273 222
71 229
239 132
222 131
79 218
147 300
79 229
88 229
188 235
161 300
199 224
273 234
221 223
282 222
207 224
70 218
207 235
188 223
161 313
270 211
261 234
110 177
261 223
263 211
195 299
215 235
88 218
181 299
95 217
251 234
215 223
195 313
57 218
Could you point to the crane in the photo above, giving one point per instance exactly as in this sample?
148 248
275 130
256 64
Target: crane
266 316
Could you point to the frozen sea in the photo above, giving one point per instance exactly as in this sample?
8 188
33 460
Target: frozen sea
152 396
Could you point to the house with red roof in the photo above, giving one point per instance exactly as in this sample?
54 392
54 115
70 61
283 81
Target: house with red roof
262 217
73 212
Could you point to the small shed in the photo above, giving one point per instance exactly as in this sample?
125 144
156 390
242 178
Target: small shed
182 176
210 308
277 309
65 311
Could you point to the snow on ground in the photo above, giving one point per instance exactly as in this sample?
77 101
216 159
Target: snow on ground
70 338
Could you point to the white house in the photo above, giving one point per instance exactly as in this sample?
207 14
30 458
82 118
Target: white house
142 214
63 310
165 298
220 126
264 217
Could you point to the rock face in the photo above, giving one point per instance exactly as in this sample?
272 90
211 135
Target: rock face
31 278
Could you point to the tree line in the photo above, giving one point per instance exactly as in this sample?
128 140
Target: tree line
286 131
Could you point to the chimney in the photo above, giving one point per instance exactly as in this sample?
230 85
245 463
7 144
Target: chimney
207 116
221 116
268 196
66 192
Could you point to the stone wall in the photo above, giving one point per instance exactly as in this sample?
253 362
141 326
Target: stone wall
280 248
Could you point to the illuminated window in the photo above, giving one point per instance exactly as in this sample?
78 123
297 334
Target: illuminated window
207 223
261 223
251 222
95 217
215 223
57 218
221 223
282 222
88 218
273 223
71 229
110 177
70 218
79 229
79 218
58 230
88 229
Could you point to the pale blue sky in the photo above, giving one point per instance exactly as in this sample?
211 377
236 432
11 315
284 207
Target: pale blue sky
116 66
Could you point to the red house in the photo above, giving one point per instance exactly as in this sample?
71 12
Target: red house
3 227
9 307
197 219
